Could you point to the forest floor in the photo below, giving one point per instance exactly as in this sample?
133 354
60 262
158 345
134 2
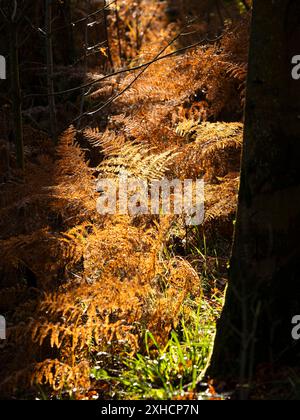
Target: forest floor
120 306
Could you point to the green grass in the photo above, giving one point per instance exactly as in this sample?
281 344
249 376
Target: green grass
170 371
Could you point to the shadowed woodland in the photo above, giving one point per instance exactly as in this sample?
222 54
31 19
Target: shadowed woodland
114 306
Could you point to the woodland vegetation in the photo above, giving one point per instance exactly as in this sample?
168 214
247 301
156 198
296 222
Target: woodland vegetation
120 307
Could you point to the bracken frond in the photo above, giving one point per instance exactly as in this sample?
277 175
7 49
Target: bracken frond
137 161
74 283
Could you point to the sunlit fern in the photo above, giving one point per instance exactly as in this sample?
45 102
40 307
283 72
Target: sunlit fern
137 160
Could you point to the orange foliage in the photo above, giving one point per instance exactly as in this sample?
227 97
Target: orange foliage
75 283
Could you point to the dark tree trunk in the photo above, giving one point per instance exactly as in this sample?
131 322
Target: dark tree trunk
71 53
105 16
264 280
16 94
50 69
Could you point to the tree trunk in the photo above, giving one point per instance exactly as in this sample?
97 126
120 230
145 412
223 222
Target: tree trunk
264 279
109 55
50 70
69 33
16 94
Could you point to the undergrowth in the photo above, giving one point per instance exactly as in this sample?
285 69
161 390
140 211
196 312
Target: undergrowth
119 306
172 371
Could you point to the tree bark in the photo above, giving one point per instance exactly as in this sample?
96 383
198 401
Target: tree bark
50 70
69 33
16 94
109 54
264 279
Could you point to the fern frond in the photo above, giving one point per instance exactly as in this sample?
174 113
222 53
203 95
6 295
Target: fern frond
214 149
137 161
109 142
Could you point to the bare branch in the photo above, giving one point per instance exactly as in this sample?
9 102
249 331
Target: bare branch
129 70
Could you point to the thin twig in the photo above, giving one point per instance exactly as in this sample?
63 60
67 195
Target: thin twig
129 70
76 22
118 95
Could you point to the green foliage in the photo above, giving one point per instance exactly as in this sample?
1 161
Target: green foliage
172 371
